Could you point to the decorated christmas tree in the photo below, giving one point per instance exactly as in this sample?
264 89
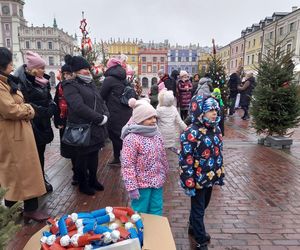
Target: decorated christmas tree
217 74
7 221
275 105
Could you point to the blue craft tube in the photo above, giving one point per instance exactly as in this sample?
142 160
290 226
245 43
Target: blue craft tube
62 227
139 224
84 215
46 233
103 219
86 221
89 227
99 212
133 233
101 229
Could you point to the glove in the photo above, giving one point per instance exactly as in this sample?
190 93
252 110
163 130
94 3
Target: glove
134 194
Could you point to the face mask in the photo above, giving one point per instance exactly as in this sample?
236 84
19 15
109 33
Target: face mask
85 78
210 123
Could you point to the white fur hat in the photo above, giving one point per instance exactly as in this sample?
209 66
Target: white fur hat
183 73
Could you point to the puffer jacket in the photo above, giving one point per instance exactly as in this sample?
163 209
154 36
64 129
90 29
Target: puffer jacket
185 94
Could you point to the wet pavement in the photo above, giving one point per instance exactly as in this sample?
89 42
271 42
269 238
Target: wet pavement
258 208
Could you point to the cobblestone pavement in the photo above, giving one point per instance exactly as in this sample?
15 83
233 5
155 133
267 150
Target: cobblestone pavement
258 208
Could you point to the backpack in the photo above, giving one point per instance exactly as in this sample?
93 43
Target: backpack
128 93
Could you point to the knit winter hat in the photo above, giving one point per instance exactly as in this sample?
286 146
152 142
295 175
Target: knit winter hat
77 63
142 110
34 60
113 62
66 68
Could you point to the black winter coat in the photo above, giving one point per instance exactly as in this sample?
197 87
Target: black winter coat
111 90
233 83
80 97
41 100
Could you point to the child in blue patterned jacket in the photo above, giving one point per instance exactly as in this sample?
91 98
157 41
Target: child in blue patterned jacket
201 162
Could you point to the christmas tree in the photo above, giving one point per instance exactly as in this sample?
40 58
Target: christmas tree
217 74
275 105
7 221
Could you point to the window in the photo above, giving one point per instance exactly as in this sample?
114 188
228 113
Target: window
242 46
193 70
248 60
254 41
179 59
143 59
248 44
193 59
236 49
7 27
292 26
50 46
172 59
154 68
236 63
162 59
252 59
271 35
154 59
288 47
38 45
231 64
27 44
51 60
187 59
8 43
149 69
144 69
259 57
49 32
278 51
281 31
133 58
162 67
232 51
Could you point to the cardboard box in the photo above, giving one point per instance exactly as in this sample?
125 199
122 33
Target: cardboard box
157 236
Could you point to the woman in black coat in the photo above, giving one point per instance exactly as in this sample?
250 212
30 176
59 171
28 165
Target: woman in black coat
81 95
111 90
60 119
35 87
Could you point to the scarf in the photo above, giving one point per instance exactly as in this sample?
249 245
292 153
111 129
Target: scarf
85 78
209 123
42 81
148 131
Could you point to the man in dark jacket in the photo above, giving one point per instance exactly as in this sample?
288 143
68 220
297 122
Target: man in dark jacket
111 91
233 83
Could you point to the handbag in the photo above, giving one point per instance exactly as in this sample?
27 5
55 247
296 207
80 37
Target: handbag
78 135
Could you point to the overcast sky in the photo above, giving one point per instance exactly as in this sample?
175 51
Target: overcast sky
180 21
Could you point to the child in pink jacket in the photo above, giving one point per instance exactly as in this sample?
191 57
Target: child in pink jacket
144 163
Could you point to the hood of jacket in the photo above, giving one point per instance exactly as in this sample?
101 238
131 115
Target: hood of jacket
116 71
166 98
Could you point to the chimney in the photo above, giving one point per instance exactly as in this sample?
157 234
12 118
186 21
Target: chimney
294 8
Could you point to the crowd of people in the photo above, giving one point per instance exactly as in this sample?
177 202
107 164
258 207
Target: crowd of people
179 111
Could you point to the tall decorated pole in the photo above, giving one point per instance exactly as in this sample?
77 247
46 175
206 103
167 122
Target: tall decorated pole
86 42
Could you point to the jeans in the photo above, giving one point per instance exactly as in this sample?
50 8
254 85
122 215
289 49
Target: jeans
150 201
199 203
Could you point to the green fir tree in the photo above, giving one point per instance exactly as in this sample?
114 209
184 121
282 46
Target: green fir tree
217 74
8 217
275 104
